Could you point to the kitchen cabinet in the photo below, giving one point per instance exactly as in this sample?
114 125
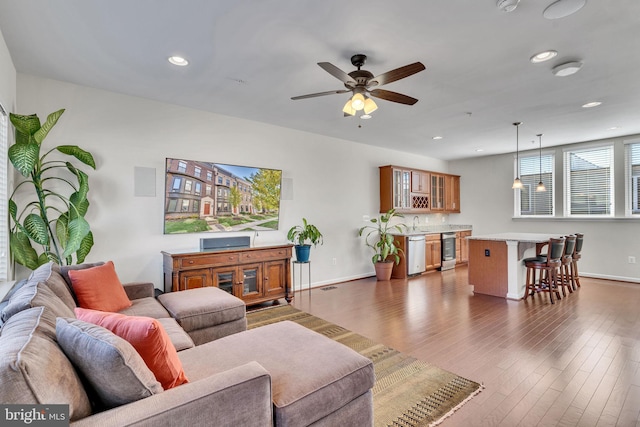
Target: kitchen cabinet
254 275
452 193
433 252
420 182
415 191
437 192
462 247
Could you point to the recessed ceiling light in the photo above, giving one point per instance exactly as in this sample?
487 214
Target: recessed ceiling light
437 137
562 8
543 56
507 5
178 60
479 150
614 128
566 69
591 104
365 116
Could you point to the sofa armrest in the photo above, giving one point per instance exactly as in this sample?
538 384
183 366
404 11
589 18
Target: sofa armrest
237 397
137 290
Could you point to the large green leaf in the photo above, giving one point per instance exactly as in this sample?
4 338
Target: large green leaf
83 179
45 257
13 210
85 248
23 138
78 228
51 121
62 229
25 124
77 152
36 229
81 205
22 251
24 157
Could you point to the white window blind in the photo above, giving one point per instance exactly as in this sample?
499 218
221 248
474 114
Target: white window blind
4 184
632 178
534 169
589 182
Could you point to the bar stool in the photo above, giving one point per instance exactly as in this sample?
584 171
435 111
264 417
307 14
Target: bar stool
548 269
566 269
575 257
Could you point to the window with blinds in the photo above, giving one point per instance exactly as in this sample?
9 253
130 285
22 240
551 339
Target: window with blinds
534 169
632 178
4 224
589 182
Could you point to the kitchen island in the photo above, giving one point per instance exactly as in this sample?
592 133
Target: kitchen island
495 262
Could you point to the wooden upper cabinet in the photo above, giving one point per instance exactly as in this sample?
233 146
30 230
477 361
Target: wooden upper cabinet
437 192
417 191
420 182
452 193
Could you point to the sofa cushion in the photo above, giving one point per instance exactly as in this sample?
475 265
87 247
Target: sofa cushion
50 274
203 307
180 339
149 339
33 368
99 288
35 294
110 364
312 375
64 269
5 301
149 307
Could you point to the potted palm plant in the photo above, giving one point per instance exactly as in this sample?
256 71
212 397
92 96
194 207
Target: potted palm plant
383 243
303 236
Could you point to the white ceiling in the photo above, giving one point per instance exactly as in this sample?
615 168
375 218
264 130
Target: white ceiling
248 58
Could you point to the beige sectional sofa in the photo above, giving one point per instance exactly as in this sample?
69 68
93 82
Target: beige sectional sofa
281 374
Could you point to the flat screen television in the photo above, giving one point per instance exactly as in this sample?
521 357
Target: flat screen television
203 197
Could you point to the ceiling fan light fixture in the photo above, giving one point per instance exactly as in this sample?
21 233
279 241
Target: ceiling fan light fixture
357 102
369 106
566 69
348 109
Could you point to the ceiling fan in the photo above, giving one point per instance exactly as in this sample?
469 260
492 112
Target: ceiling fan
363 84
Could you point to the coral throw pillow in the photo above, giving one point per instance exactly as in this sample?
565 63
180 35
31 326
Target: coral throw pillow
99 288
149 339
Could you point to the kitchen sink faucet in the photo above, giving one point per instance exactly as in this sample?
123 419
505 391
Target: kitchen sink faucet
414 221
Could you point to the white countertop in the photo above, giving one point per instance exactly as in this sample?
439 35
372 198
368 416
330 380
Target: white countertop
433 229
520 237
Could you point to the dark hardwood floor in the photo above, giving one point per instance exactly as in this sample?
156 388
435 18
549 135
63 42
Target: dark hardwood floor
575 363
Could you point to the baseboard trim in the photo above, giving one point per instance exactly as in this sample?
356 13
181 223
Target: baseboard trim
338 280
610 277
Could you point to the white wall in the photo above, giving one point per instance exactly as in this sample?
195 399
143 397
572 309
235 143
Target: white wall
335 182
487 202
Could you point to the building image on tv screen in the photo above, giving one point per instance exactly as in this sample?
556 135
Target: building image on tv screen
213 197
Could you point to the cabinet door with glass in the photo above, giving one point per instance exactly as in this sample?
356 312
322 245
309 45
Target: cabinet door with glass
225 278
401 189
250 284
437 192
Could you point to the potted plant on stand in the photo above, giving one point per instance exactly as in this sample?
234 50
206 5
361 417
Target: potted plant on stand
303 236
383 243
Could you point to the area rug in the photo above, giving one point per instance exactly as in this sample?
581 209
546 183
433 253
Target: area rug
407 392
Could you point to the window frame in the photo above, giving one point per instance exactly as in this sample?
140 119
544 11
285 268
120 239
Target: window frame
631 182
566 162
518 213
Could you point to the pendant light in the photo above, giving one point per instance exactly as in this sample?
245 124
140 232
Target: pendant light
517 184
540 186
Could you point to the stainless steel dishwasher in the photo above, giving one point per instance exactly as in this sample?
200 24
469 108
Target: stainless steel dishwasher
416 257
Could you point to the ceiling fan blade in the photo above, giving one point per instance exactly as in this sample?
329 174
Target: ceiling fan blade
313 95
393 96
338 73
397 74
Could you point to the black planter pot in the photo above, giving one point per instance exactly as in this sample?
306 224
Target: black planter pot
302 253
